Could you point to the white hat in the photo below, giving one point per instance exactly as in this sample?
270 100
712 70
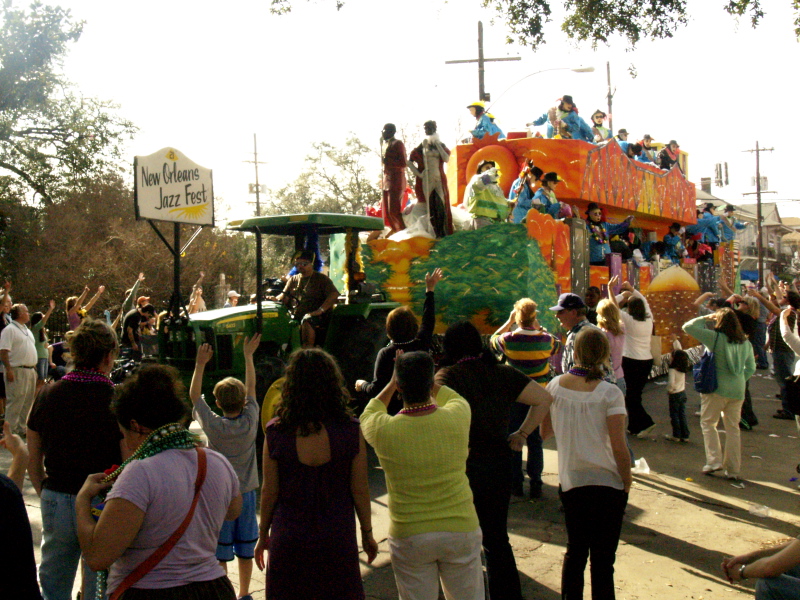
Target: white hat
233 294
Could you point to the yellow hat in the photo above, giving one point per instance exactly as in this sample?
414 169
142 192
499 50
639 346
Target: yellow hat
478 104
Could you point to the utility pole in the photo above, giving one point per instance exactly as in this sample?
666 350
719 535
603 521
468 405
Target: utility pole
259 258
482 95
610 97
758 152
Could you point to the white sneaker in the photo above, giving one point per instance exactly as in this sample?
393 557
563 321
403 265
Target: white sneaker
645 432
709 469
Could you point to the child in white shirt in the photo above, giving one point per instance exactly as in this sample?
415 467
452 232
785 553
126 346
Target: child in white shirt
678 367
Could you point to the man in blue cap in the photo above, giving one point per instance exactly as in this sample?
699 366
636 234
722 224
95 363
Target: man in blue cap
571 313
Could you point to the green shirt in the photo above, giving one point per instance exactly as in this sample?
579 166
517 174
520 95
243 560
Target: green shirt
424 459
735 362
41 347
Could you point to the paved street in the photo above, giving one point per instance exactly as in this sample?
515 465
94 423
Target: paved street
678 525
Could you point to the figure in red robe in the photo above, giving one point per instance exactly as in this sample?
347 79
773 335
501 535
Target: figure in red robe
393 153
427 162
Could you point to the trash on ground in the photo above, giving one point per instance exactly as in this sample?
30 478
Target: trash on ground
640 467
758 457
759 510
773 435
738 485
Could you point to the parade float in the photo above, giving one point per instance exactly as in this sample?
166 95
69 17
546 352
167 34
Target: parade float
489 268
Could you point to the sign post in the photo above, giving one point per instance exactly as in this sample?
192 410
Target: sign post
170 187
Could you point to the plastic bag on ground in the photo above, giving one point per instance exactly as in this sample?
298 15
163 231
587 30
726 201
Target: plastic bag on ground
640 467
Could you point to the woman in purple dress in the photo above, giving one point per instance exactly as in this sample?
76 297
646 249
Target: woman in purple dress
315 477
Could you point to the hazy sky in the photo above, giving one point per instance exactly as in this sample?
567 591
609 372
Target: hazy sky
205 77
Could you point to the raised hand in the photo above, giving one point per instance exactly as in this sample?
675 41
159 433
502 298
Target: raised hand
251 345
431 279
204 354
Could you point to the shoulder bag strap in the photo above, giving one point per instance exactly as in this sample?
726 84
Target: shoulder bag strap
156 557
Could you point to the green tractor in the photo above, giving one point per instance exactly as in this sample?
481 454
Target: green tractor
354 335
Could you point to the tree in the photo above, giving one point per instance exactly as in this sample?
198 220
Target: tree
91 238
596 20
51 137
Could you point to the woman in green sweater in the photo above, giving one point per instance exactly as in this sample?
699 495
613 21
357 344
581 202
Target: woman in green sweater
735 365
434 532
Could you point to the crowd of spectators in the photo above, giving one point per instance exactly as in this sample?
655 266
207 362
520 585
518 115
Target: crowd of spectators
448 437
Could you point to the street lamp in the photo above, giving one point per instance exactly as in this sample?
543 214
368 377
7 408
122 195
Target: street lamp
573 69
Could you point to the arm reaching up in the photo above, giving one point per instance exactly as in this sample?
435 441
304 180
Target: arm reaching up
249 349
204 354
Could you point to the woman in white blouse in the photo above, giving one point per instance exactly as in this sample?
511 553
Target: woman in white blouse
594 467
637 360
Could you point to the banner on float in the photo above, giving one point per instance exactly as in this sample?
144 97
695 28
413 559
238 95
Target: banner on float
171 187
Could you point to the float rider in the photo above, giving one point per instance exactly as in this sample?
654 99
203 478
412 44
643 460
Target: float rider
564 122
523 191
546 195
601 232
484 199
601 133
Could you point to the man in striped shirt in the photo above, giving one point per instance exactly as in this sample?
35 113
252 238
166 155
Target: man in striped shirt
527 348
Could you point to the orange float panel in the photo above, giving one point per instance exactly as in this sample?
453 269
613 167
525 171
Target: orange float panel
504 159
591 173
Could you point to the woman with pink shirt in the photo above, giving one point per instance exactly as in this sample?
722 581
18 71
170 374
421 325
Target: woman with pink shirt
169 497
610 321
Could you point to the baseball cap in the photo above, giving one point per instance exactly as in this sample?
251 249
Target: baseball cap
142 300
568 302
233 294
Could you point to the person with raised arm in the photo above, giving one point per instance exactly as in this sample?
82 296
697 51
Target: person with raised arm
434 534
76 310
234 436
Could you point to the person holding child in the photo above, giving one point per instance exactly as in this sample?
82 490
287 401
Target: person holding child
234 436
679 365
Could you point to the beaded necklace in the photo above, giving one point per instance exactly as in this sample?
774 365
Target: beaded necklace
598 232
172 436
88 376
579 371
467 359
415 409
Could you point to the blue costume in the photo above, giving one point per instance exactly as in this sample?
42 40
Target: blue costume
711 235
486 127
644 157
524 197
707 227
598 249
578 128
548 201
728 227
674 247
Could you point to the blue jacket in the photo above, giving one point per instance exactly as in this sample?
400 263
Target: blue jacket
707 226
524 197
486 127
598 251
712 233
727 232
578 128
551 207
674 246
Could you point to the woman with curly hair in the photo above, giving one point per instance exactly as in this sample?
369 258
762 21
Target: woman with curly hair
315 473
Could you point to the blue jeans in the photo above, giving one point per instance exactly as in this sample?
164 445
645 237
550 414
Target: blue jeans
783 363
782 587
535 463
677 415
61 552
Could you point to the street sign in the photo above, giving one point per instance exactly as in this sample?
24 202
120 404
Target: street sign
257 189
171 187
